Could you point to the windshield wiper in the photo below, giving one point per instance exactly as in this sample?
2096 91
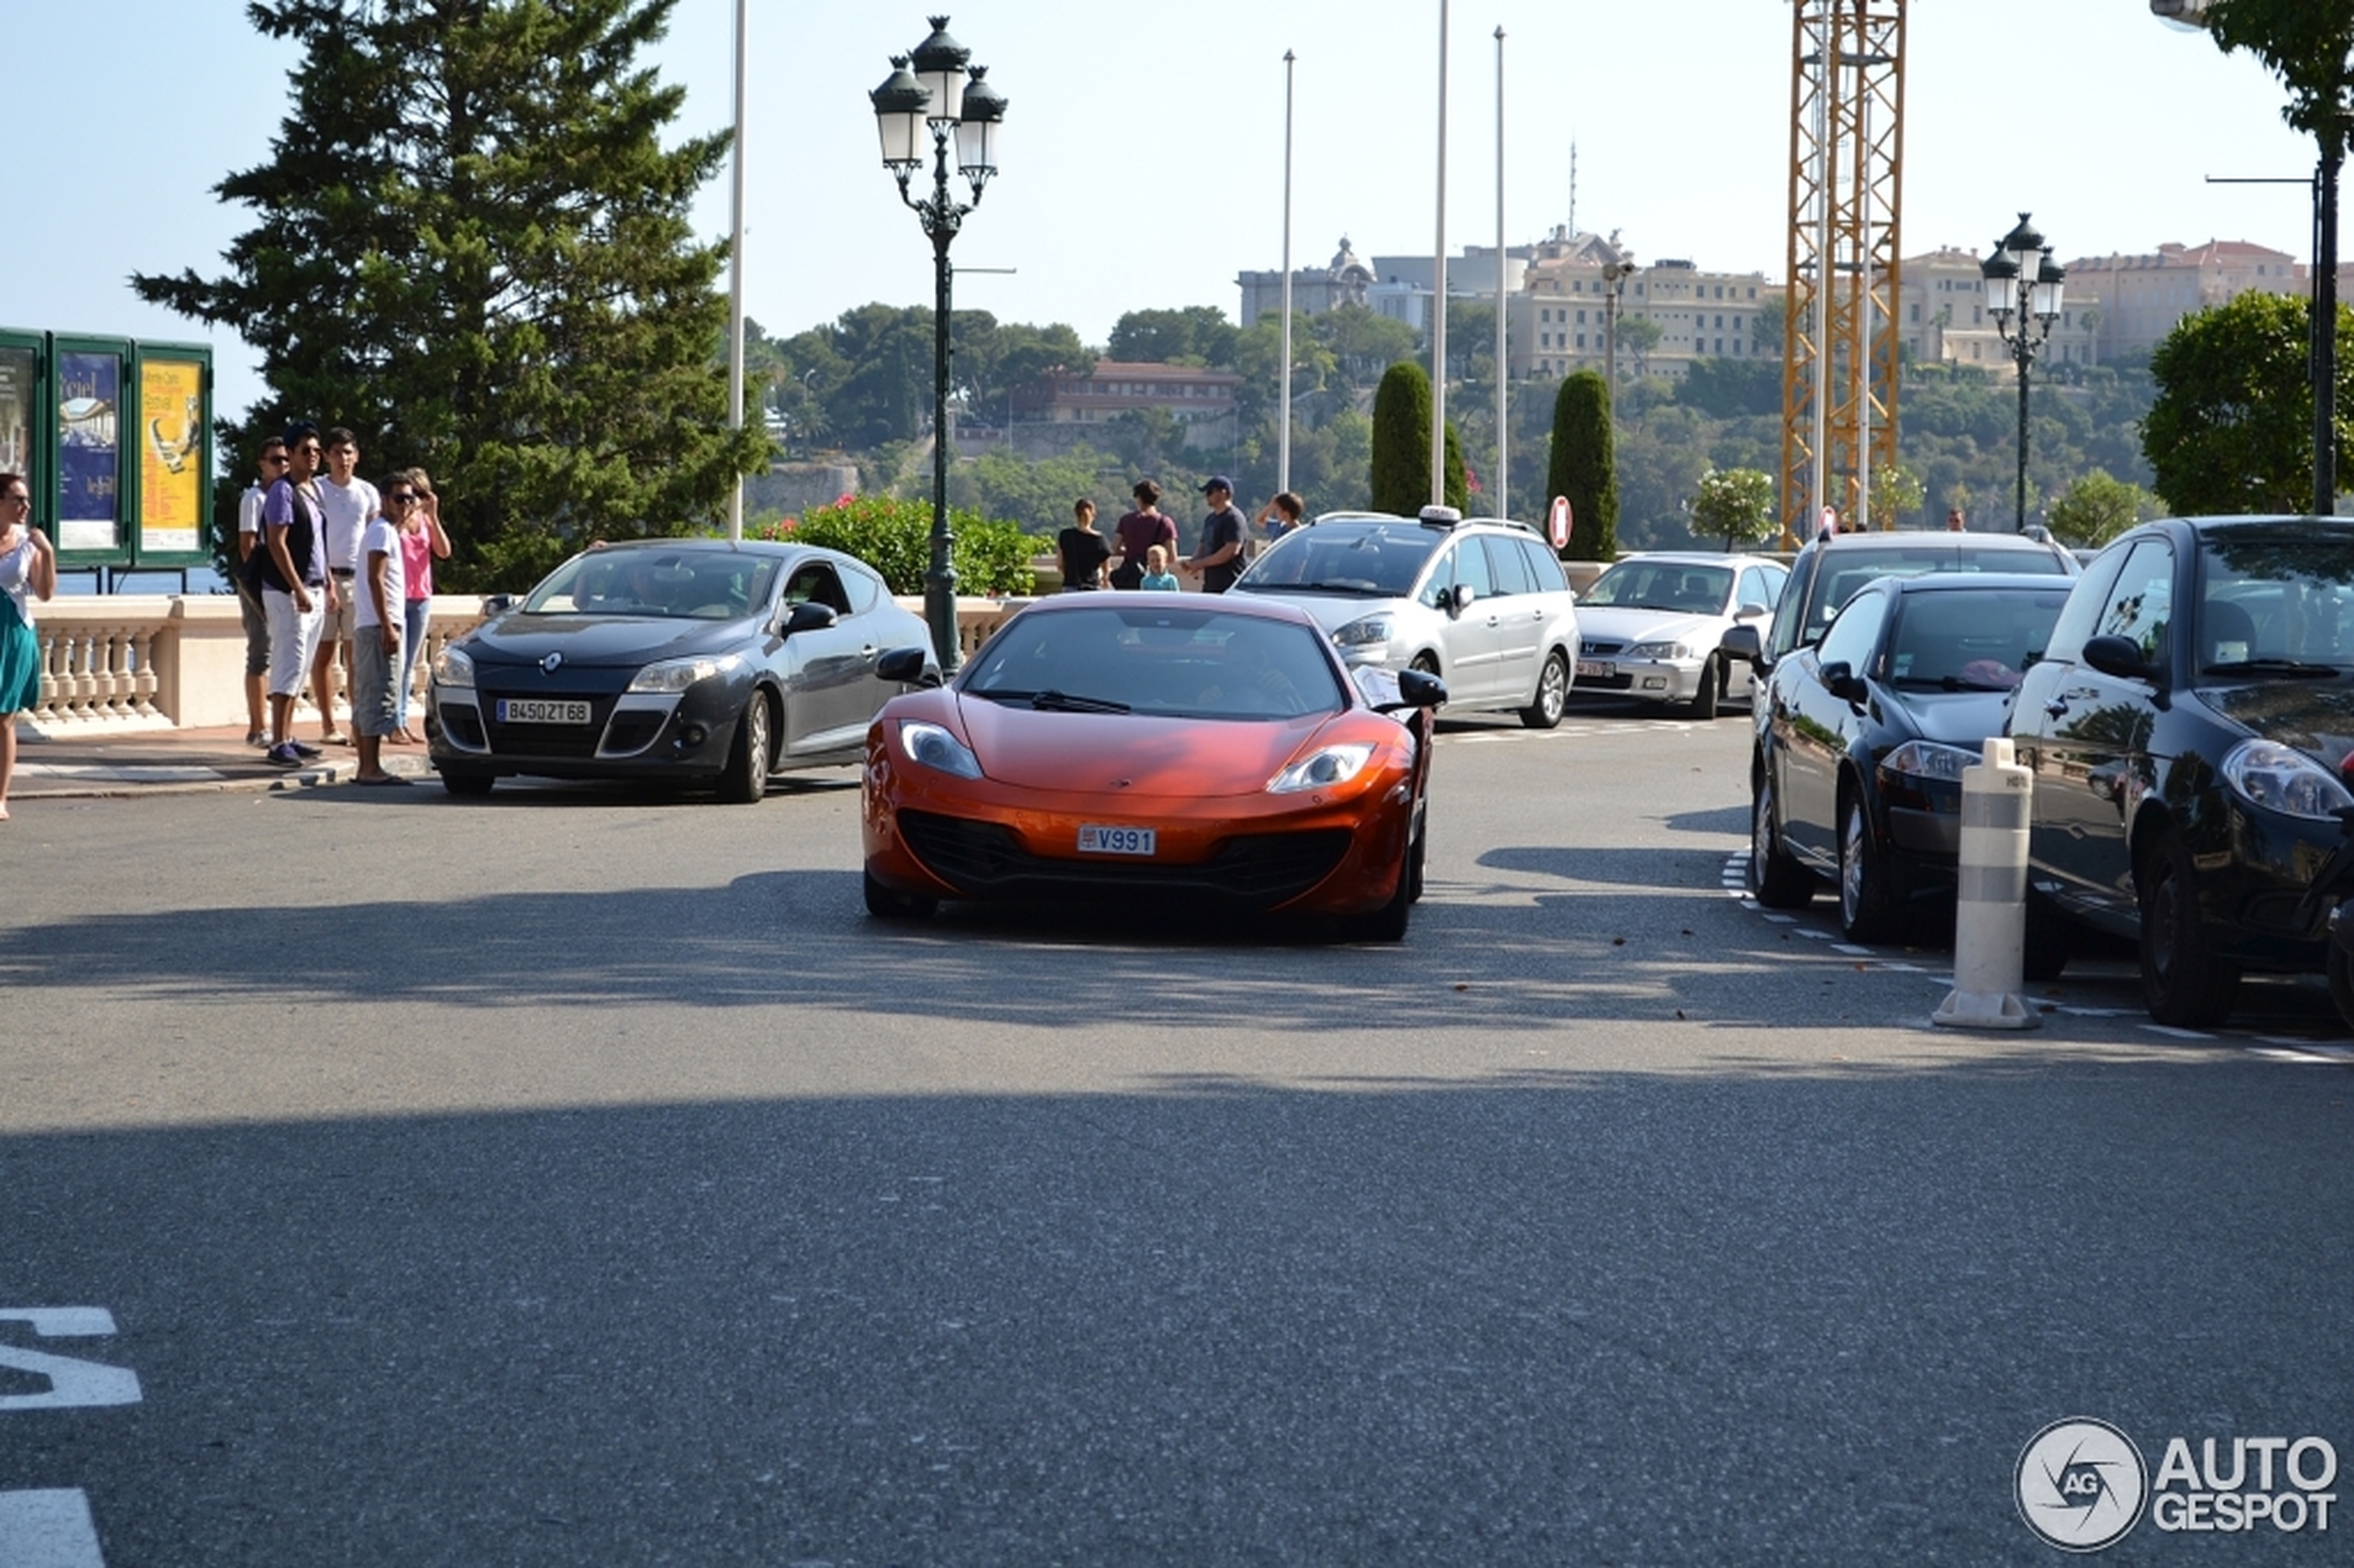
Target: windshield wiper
1051 701
2274 666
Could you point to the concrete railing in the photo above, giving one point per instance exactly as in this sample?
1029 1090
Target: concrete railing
117 662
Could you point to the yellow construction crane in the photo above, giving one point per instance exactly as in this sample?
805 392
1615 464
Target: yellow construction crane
1840 329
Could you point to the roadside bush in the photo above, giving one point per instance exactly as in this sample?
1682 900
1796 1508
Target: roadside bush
894 536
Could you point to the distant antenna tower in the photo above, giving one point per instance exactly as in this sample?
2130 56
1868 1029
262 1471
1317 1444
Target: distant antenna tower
1572 187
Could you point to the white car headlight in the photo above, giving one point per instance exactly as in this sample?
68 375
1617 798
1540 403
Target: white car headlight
2284 779
451 667
1366 631
937 750
1670 651
676 674
1928 759
1321 769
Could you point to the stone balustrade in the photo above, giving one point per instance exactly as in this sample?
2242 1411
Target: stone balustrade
116 662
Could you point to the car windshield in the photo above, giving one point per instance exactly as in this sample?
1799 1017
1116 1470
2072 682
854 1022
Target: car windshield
1843 572
686 584
2277 601
1663 584
1374 560
1159 660
1970 640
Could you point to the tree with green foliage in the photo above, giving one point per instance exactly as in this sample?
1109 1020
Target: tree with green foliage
2231 430
2308 43
1196 334
1640 335
1735 505
2096 509
1400 456
893 533
1584 466
474 245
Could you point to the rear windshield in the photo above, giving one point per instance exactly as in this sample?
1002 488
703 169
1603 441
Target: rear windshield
1840 575
1371 559
1970 641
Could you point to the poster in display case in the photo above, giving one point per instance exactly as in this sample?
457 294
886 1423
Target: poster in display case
86 387
170 447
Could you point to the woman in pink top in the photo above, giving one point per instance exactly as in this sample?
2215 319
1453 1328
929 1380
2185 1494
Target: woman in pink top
422 544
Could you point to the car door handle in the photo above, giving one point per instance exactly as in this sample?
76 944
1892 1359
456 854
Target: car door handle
2057 707
867 653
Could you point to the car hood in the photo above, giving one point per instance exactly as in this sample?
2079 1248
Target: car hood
1132 753
1956 718
2317 717
1334 611
601 641
1630 623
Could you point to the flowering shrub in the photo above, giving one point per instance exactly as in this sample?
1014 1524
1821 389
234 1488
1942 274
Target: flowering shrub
894 536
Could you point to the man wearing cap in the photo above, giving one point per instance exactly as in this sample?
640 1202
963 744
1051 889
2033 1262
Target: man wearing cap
1218 560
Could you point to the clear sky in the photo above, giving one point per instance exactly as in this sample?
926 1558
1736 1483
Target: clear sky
1143 154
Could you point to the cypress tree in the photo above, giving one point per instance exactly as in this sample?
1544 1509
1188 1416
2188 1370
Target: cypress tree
471 246
1402 440
1582 466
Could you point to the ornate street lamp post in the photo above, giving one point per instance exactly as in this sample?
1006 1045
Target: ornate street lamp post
2023 293
1615 271
928 91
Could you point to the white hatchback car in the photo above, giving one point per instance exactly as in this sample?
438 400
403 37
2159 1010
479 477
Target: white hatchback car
1480 602
1651 624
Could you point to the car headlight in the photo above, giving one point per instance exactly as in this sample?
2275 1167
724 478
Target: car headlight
1670 651
2284 779
937 750
1927 759
676 674
1321 769
451 667
1366 631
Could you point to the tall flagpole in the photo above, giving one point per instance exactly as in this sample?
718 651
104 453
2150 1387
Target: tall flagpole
1503 485
1282 437
1438 295
736 287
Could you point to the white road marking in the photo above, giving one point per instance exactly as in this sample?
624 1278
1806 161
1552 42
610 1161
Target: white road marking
2175 1034
1811 931
1783 919
72 1382
48 1529
1850 948
97 773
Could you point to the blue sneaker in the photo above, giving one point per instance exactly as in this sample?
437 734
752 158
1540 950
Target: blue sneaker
304 752
286 754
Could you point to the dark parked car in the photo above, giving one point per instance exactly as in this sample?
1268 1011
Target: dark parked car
1863 738
2189 730
690 660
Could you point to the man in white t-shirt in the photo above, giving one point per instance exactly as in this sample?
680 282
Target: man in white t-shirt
348 504
377 621
249 608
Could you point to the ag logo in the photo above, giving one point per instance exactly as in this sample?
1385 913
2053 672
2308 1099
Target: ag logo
2080 1484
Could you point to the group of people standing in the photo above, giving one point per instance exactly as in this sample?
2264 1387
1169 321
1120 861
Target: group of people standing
1142 548
329 562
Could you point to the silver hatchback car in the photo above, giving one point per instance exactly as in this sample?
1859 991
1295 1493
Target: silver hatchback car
1480 602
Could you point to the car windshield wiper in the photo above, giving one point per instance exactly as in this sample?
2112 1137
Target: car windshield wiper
2274 666
1064 703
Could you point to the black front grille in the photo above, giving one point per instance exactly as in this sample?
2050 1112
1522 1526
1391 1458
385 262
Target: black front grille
1591 649
982 859
1620 681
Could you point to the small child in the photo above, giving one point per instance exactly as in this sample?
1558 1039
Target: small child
1158 579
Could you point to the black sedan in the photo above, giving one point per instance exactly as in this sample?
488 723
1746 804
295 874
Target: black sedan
2188 731
1862 739
696 661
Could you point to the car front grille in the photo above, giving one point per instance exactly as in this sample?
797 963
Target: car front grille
546 739
982 859
1593 648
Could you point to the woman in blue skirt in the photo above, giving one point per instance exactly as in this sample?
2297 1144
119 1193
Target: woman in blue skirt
28 570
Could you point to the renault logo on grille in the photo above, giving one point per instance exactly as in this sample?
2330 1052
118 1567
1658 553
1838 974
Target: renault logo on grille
547 665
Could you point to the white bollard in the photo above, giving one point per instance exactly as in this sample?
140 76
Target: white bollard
1989 910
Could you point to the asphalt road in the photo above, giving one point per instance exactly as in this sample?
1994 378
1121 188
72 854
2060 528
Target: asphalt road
577 1177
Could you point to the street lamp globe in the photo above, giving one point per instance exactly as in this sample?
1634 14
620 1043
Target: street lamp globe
940 64
902 106
2001 275
2024 246
2048 280
979 129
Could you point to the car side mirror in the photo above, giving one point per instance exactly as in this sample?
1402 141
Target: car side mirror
809 615
1417 689
1463 596
907 666
1743 643
497 603
1840 680
2119 656
1752 612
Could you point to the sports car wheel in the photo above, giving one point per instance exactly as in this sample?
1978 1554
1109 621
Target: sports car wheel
466 781
1774 879
1871 895
1552 694
888 903
2183 984
1712 686
747 777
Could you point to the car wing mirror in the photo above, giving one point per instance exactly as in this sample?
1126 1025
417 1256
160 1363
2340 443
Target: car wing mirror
1752 612
809 615
907 666
497 603
1416 689
2119 656
1743 643
1461 599
1840 680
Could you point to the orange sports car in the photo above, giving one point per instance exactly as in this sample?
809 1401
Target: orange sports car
1117 746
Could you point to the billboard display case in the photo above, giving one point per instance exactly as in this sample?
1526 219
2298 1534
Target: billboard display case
171 440
89 517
